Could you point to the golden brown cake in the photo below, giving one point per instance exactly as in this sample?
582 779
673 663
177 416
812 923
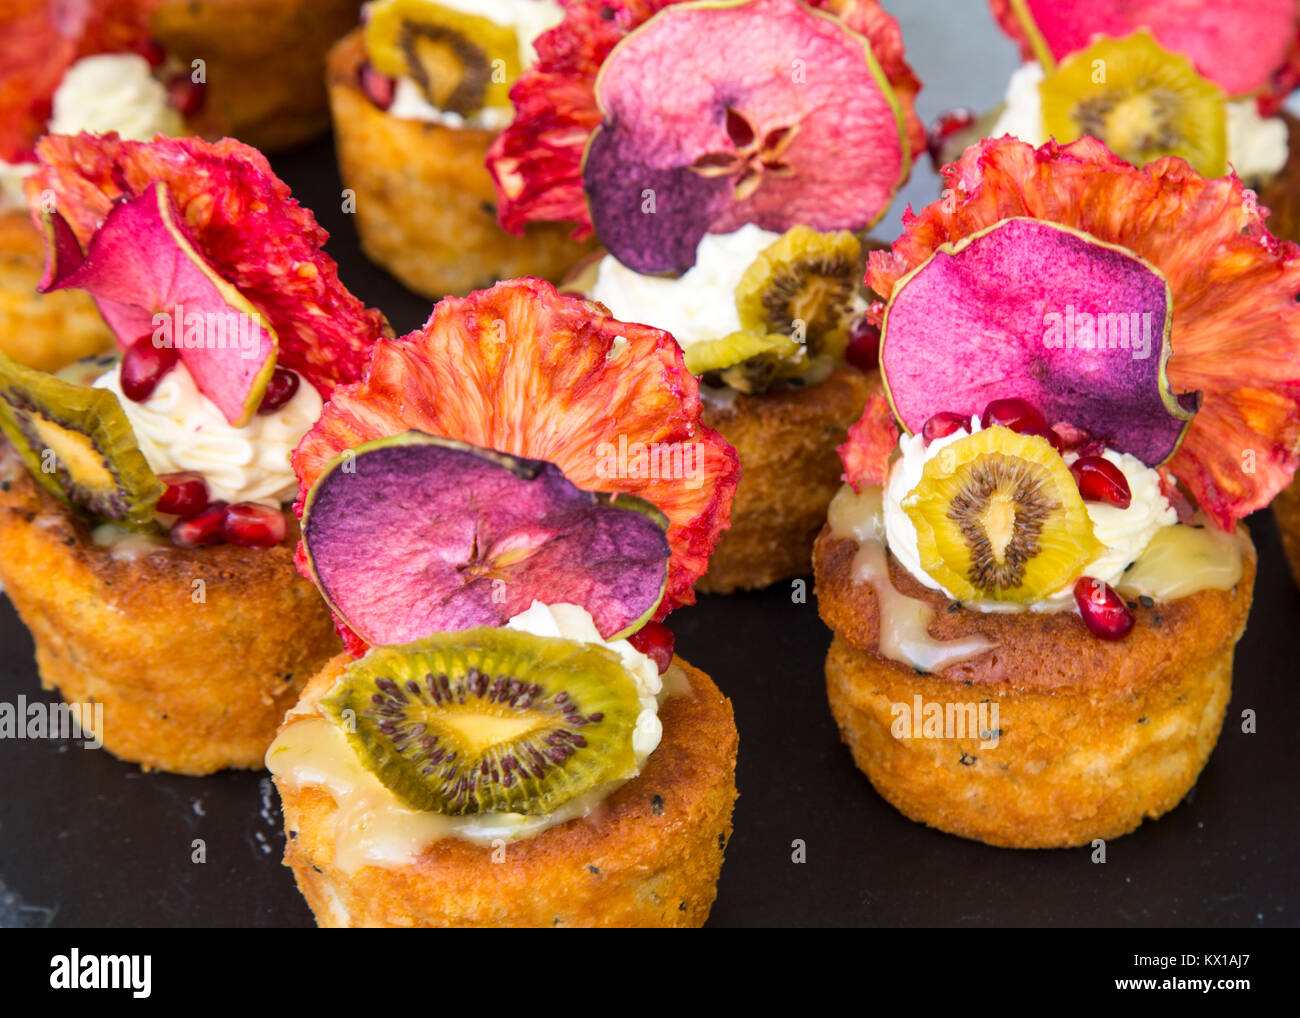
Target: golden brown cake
649 855
789 473
425 204
265 61
45 331
1286 511
1281 195
193 677
1093 736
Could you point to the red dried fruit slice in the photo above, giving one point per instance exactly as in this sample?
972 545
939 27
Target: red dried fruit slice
243 220
1015 312
417 534
871 441
1237 43
668 163
536 162
1236 322
42 38
142 262
524 371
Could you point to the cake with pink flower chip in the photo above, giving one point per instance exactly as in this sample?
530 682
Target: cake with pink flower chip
92 65
729 158
145 540
511 740
1036 587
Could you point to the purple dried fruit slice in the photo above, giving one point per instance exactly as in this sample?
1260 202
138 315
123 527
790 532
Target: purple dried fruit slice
721 114
418 534
141 262
1076 327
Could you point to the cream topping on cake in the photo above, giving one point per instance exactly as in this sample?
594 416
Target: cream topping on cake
373 827
1257 146
698 305
1124 533
113 92
179 429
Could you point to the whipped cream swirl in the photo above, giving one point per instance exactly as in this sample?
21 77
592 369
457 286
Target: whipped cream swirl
114 92
179 429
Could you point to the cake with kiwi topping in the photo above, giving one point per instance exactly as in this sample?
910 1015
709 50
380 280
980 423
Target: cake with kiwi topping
93 67
418 94
509 739
731 215
1037 584
1204 81
146 543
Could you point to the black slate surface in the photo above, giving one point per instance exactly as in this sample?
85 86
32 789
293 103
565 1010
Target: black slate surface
88 841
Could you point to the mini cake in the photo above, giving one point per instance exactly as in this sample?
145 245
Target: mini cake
263 61
93 70
739 235
1035 604
1198 80
144 540
418 95
511 741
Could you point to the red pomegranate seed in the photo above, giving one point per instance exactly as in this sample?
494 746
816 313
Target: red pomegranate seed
144 366
279 390
943 424
186 494
944 127
863 351
200 529
1104 612
1071 438
1099 480
252 525
655 641
186 95
380 89
1015 414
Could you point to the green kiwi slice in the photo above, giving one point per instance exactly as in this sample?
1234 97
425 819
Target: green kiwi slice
78 444
489 720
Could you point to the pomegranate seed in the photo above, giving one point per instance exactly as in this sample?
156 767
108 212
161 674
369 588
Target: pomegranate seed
144 366
152 52
201 528
1015 414
1099 480
863 351
186 494
655 641
380 89
253 526
187 96
943 424
1071 438
944 127
1104 612
279 390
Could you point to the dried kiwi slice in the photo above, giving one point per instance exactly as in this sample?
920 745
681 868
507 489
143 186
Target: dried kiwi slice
489 720
746 361
1143 101
462 62
802 285
998 517
78 443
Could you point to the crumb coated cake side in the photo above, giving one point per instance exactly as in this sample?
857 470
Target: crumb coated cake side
194 676
649 855
1286 510
43 331
1092 736
790 471
425 204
